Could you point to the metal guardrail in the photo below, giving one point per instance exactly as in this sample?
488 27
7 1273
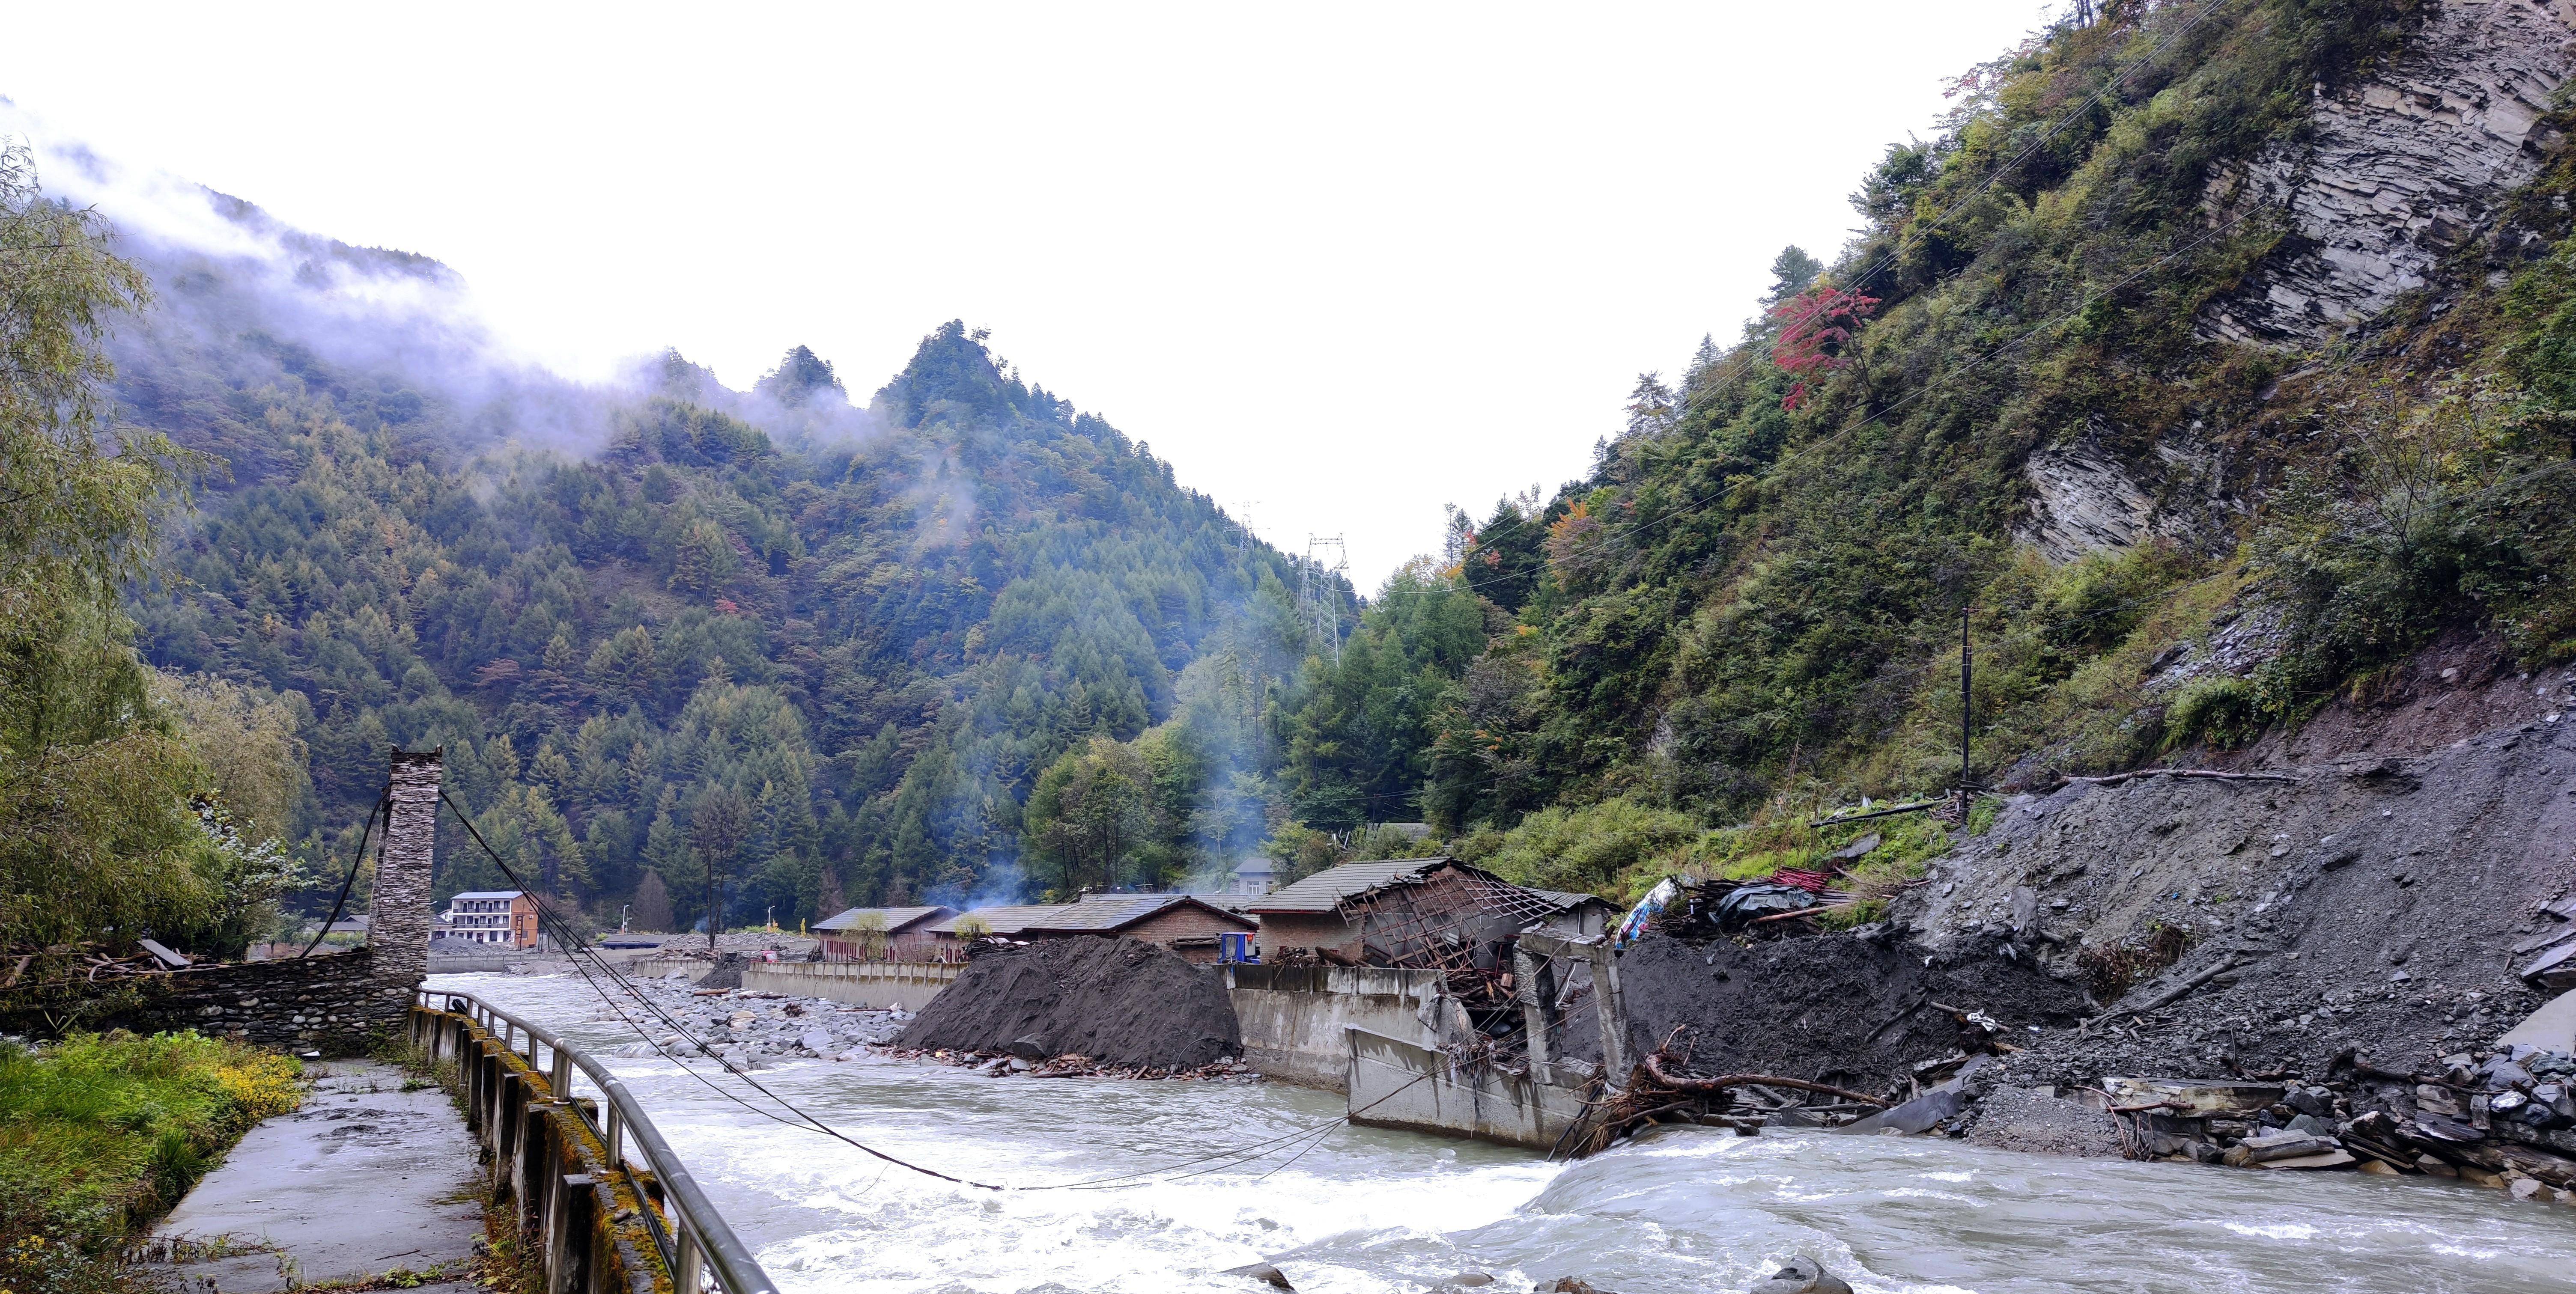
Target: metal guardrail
700 1250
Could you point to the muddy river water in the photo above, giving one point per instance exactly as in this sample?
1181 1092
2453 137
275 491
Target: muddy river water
1360 1210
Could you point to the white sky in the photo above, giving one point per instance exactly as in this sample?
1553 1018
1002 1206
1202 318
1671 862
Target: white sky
1350 262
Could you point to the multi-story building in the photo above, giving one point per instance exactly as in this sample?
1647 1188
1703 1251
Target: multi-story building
505 917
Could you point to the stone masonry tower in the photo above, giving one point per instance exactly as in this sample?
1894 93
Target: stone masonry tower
398 925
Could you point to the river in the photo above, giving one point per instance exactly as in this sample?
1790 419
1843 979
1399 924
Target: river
1364 1210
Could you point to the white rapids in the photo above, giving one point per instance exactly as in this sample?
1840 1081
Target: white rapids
1363 1210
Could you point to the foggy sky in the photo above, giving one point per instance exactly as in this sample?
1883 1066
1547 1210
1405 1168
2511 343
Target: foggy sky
1350 262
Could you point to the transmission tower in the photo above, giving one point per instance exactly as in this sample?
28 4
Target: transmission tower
1243 526
1319 595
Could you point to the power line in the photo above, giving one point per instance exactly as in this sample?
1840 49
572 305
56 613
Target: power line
1919 392
1921 229
575 947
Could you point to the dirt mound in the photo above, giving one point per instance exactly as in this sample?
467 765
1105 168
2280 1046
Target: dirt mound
1844 1009
1120 1002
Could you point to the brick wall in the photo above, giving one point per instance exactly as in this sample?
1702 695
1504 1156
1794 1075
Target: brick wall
1186 921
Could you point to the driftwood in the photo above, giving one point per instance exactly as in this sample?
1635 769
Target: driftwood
1679 1083
2211 774
2171 995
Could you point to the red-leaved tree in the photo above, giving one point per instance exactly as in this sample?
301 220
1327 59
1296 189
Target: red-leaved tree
1815 325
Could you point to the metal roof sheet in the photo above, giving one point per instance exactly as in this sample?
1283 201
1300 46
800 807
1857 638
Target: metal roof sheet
1325 890
1102 913
487 894
1009 919
1564 899
896 919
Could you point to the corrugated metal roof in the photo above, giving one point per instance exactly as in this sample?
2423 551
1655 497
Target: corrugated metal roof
1103 913
1325 890
1005 920
895 918
487 894
1564 899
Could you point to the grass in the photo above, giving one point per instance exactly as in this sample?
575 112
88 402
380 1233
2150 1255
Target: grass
99 1134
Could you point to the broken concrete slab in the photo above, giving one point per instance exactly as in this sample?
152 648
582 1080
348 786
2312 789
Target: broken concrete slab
364 1179
2554 970
2196 1097
1917 1115
2551 1028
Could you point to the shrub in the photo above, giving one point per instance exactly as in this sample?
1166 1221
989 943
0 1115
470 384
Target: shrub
1590 849
2224 712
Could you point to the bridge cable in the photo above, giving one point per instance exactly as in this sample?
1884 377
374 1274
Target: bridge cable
383 809
576 947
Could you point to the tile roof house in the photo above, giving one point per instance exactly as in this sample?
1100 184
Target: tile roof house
1183 923
881 934
1186 925
1412 912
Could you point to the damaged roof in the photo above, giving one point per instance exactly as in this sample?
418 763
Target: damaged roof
1326 890
1106 913
896 919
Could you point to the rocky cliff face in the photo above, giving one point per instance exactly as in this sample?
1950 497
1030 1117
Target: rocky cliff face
2398 170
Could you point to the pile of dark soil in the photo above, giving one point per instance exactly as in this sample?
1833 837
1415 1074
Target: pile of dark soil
1837 1008
1119 1002
727 974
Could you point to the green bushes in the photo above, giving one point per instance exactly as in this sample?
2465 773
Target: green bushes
1594 848
2224 712
97 1134
2428 515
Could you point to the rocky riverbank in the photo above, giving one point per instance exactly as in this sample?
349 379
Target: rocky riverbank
755 1029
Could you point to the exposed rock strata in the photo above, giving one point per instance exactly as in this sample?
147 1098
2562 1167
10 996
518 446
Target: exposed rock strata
2399 170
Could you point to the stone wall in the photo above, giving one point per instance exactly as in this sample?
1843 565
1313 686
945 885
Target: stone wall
335 1004
338 1004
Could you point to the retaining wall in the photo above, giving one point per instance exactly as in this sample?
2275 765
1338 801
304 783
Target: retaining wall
1395 1084
1294 1018
336 1004
907 986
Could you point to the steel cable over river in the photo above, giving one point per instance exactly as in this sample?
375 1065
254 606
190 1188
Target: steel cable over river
1369 1210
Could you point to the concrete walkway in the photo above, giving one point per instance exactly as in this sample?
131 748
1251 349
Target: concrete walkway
364 1179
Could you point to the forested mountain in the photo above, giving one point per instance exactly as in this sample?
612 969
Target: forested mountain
2211 359
2128 377
826 651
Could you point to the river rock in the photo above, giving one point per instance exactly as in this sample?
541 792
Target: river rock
1262 1272
1802 1275
817 1041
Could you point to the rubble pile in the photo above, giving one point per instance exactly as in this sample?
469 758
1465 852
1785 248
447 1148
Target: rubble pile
755 1029
1076 1065
1858 1009
2504 1118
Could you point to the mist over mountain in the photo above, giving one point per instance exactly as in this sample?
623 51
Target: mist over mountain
822 648
2102 386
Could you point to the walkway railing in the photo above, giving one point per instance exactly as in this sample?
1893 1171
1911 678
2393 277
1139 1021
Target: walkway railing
699 1250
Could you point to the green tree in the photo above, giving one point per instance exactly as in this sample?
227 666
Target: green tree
95 830
1088 811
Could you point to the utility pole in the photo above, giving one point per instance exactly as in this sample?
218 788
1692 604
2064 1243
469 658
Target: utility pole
1967 705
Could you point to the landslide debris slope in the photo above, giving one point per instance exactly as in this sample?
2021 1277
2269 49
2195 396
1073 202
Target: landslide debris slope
2369 904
